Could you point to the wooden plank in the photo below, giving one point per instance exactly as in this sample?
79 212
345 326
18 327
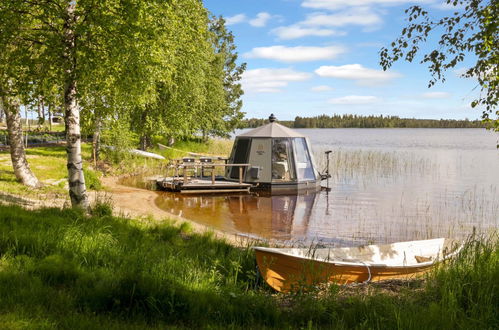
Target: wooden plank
208 191
212 164
220 186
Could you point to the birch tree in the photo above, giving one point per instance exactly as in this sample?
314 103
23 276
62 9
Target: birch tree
179 100
88 44
229 114
470 32
16 67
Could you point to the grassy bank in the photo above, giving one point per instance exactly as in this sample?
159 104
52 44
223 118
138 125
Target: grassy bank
60 268
49 165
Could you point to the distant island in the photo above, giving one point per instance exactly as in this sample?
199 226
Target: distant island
356 121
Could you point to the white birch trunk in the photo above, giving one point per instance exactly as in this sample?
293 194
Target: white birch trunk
20 164
76 180
2 114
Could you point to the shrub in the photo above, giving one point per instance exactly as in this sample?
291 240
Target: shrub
92 179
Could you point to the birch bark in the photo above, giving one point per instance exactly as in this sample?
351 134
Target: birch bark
76 179
20 164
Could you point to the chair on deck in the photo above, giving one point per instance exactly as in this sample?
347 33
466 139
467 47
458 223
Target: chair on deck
186 161
208 161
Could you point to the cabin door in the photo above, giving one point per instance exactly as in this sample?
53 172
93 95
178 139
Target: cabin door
241 152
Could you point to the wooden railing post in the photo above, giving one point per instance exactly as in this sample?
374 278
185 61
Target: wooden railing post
240 174
213 176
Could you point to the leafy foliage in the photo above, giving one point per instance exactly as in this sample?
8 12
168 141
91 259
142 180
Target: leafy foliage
470 32
157 67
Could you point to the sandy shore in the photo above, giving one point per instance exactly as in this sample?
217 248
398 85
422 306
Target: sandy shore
129 202
139 203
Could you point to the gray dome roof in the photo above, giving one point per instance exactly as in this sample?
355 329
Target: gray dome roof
272 130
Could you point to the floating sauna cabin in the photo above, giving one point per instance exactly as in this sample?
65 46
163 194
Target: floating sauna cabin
281 159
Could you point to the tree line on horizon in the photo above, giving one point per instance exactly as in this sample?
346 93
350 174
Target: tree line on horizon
372 121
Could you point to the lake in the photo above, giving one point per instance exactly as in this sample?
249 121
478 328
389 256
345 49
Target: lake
387 185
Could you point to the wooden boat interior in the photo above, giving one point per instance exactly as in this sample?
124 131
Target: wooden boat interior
401 254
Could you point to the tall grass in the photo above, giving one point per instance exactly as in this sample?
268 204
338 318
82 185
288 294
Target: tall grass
61 268
372 165
57 263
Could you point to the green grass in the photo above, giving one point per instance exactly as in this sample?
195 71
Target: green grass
49 166
63 269
127 164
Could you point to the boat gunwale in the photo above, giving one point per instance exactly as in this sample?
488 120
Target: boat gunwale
364 264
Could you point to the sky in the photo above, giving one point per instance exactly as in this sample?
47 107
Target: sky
313 57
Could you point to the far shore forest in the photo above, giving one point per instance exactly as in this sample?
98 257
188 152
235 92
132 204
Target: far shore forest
358 121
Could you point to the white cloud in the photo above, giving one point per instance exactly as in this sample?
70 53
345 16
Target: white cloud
239 18
355 99
356 16
313 23
297 31
337 4
295 54
447 6
362 75
321 88
436 95
268 80
260 20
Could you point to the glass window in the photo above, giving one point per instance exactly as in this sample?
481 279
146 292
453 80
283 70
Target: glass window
282 162
304 169
240 156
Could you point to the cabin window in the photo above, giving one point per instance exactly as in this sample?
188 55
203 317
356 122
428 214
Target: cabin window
304 169
282 162
241 152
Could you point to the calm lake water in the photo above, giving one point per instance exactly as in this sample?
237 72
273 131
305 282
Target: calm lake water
387 185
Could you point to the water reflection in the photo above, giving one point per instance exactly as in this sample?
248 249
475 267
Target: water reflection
273 217
387 185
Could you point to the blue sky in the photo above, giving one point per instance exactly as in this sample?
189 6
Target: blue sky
313 57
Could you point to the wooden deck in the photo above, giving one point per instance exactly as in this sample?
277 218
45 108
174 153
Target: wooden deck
202 185
189 177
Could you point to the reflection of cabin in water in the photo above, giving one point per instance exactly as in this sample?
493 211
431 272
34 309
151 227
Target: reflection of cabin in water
281 159
273 217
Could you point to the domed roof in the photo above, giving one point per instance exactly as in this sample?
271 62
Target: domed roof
272 130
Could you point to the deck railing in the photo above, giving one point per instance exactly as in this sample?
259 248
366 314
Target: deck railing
179 164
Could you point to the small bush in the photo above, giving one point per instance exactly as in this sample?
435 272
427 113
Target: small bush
102 207
92 179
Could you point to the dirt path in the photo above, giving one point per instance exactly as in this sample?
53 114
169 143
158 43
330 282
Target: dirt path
138 203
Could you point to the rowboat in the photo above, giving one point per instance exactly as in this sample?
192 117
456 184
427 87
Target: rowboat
288 269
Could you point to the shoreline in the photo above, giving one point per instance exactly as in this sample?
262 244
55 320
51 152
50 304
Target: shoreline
144 206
